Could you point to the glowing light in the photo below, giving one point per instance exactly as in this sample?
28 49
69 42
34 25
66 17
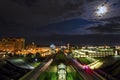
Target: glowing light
101 10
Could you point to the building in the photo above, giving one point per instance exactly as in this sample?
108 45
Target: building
31 46
68 46
12 44
62 72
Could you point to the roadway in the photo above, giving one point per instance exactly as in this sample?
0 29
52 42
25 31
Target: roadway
33 75
51 72
87 74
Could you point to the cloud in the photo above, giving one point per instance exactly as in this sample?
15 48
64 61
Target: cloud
42 12
31 17
91 7
112 27
39 12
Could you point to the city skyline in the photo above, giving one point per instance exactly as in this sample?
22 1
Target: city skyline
80 40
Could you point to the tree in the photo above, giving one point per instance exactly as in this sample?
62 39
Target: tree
29 55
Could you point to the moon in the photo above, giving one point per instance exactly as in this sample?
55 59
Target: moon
101 10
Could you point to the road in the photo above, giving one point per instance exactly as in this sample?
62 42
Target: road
37 71
48 70
87 74
51 72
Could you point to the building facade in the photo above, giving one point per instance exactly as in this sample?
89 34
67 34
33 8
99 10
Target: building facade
12 44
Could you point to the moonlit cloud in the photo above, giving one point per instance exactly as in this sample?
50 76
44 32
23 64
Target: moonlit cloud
101 10
112 8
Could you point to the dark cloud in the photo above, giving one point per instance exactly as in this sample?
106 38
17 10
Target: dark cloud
50 7
108 28
39 12
112 26
25 2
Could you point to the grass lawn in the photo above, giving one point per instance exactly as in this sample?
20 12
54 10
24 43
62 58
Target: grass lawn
73 76
35 64
48 76
84 60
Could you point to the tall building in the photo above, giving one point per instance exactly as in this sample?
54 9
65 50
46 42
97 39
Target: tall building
31 46
20 44
12 44
0 44
68 46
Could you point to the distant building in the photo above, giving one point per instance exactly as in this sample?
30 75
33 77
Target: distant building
52 48
31 46
12 44
68 46
0 44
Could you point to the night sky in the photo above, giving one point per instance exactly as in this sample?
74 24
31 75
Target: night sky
42 20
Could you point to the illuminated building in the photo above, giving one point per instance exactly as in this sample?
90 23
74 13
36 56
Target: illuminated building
53 47
68 46
0 44
62 72
12 44
31 46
